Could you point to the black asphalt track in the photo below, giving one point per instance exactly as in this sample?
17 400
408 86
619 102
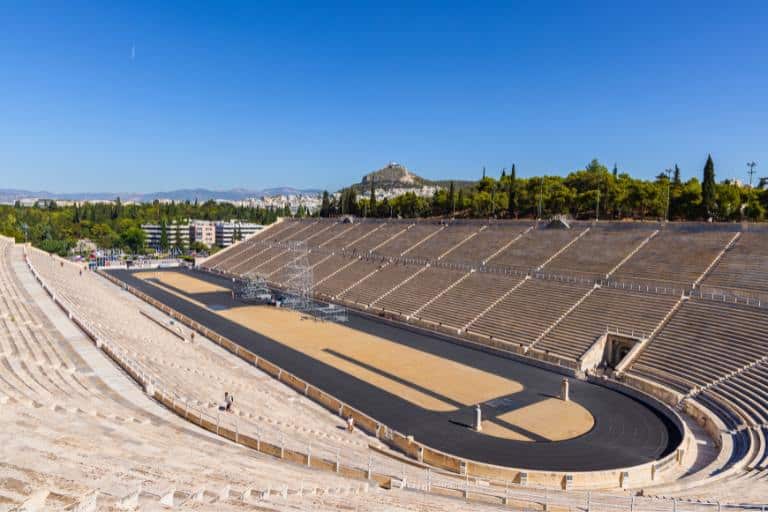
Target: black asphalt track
626 431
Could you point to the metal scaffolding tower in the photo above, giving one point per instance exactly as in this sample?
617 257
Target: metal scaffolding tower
299 278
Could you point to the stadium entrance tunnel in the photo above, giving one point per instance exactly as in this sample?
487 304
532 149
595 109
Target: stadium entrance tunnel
612 351
415 383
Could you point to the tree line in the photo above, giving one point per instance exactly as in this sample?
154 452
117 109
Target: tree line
116 225
592 192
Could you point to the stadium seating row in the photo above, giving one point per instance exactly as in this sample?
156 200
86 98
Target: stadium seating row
193 370
562 318
571 287
68 439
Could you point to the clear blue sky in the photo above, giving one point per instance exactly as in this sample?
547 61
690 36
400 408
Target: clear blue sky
254 95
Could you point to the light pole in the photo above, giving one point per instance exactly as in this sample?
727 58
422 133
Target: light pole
668 172
751 171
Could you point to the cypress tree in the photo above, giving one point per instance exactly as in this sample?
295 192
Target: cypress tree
178 242
512 203
708 192
325 209
615 171
676 180
163 236
352 198
452 198
373 198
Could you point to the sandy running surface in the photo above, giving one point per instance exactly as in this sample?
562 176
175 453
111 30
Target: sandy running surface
421 378
551 418
182 282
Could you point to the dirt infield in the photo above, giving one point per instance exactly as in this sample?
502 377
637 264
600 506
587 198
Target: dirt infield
551 419
182 282
422 385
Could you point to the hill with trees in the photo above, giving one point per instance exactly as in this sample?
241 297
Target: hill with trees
592 192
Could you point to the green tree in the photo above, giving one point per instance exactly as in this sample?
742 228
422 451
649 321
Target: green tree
103 236
512 200
325 207
754 210
728 201
372 200
178 241
164 244
689 206
133 239
708 190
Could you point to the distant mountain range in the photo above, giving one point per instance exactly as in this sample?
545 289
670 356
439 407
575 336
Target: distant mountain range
201 194
392 176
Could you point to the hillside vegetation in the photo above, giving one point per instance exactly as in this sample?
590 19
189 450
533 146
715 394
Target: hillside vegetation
586 193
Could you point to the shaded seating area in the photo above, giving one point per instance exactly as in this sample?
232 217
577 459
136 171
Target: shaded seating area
675 256
743 268
415 294
606 308
460 305
599 251
523 315
704 341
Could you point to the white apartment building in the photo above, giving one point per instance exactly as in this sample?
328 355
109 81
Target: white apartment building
203 231
173 230
227 231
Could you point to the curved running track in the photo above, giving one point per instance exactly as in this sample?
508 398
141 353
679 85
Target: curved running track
626 431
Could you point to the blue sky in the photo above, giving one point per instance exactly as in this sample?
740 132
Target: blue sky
223 95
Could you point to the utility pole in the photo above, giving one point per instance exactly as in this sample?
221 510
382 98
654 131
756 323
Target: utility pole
751 171
668 172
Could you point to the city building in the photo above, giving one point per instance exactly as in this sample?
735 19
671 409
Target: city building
173 231
203 231
310 202
229 232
